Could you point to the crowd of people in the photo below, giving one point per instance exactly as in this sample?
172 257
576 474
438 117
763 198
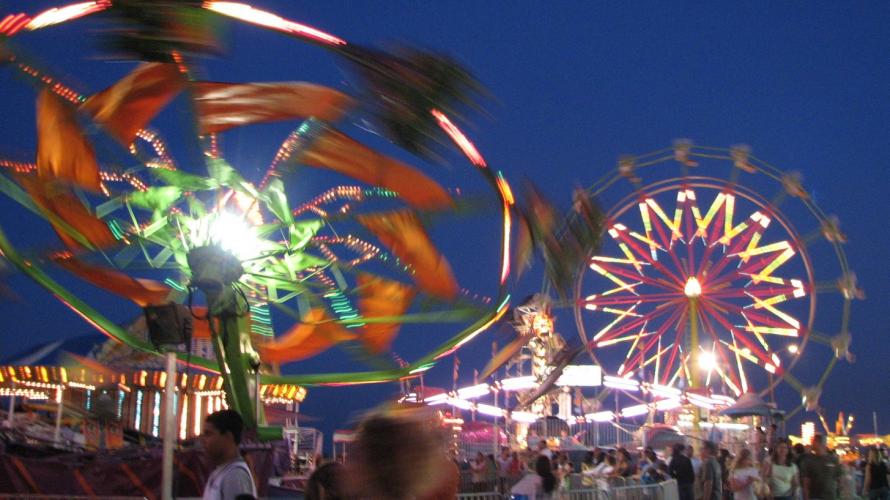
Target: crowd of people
777 471
418 468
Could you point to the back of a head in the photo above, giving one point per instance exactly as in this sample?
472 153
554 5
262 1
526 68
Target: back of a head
711 447
544 469
397 457
678 449
227 421
327 483
743 459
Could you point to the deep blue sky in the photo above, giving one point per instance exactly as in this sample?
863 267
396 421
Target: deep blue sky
576 85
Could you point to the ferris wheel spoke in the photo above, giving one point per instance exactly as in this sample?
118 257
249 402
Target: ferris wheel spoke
758 352
672 225
639 357
820 337
599 301
629 338
655 357
756 331
606 333
785 325
718 347
792 381
648 204
605 269
793 288
677 350
738 238
620 233
630 350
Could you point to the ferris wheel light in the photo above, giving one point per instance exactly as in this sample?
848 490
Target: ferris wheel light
707 361
692 288
793 348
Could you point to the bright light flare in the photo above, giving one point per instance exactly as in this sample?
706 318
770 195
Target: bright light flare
635 411
524 417
230 232
491 411
692 288
600 416
519 383
58 15
707 361
259 17
460 403
668 404
474 391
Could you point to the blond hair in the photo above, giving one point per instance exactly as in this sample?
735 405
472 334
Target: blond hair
744 454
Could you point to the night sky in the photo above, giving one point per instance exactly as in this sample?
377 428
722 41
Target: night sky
575 85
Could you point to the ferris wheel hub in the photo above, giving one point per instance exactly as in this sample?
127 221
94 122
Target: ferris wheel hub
692 288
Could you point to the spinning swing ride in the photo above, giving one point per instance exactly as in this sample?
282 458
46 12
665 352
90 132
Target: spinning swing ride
349 266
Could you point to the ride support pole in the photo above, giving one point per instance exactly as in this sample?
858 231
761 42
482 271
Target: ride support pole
10 415
60 398
170 433
693 351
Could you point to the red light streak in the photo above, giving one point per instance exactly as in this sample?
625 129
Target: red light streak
12 23
259 17
460 139
58 15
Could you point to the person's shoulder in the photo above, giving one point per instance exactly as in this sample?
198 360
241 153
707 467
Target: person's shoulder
236 480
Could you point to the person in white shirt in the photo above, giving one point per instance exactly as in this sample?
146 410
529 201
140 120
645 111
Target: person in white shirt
781 474
744 476
220 439
539 485
504 461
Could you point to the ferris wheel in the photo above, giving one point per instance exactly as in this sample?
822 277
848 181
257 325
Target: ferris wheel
708 277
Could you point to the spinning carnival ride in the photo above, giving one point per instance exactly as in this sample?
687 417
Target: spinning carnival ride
349 265
704 285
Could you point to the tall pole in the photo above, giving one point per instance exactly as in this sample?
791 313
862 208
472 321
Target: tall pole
10 415
874 421
692 290
60 396
693 340
169 428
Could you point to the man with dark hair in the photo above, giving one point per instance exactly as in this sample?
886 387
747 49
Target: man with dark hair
680 469
711 473
820 472
220 439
